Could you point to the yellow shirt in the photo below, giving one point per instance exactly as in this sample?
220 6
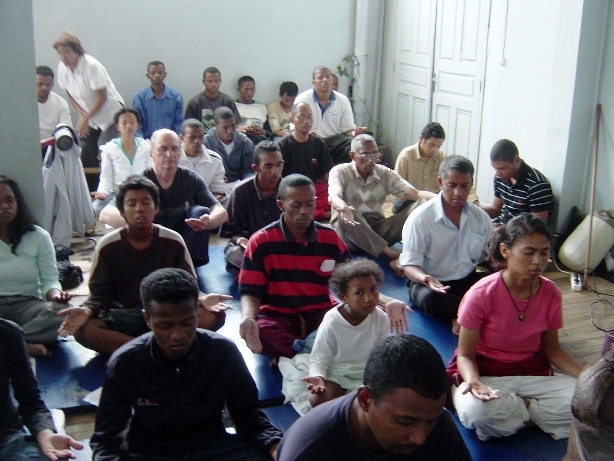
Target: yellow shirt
422 172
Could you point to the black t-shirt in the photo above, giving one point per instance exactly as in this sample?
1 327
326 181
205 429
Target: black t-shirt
188 189
310 158
324 433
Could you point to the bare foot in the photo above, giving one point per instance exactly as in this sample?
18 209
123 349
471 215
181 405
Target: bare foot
455 327
273 362
396 267
37 350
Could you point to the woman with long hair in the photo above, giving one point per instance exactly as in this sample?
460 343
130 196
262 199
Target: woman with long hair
30 293
508 341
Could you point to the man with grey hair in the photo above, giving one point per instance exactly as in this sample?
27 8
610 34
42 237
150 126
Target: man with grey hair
443 241
333 119
357 191
186 204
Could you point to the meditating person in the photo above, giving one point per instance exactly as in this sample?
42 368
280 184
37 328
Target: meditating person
164 392
397 414
508 342
348 331
30 293
17 379
279 111
202 106
112 315
120 158
159 105
253 113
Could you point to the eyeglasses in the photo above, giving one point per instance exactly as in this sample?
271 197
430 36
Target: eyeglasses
304 118
373 155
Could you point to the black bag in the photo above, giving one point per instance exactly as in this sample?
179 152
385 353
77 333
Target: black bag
70 276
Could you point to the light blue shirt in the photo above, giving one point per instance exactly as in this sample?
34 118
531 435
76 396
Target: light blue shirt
156 113
432 242
33 270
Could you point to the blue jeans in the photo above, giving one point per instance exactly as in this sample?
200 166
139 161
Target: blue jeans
197 241
20 447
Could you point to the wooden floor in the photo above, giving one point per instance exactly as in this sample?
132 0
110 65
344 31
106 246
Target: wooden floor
579 336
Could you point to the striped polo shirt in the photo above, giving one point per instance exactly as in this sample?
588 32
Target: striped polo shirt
531 193
289 276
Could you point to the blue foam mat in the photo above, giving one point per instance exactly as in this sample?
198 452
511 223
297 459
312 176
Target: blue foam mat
71 373
281 416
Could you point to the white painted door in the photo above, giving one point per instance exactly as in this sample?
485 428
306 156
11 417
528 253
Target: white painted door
439 70
458 69
415 25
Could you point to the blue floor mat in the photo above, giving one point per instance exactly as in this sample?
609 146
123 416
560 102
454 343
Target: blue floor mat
72 372
281 416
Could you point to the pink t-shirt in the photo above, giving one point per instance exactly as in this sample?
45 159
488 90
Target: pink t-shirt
487 307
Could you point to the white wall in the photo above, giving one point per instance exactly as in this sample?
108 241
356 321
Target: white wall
20 155
271 40
543 98
528 100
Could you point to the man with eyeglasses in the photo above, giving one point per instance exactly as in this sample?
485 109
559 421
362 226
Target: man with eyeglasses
333 119
307 154
357 191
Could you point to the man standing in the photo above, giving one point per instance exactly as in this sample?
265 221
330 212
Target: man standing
357 192
443 241
233 146
332 112
52 108
308 155
159 106
186 204
111 316
253 203
202 106
398 413
518 187
196 157
164 392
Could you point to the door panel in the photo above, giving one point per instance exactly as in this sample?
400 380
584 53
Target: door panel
460 55
439 70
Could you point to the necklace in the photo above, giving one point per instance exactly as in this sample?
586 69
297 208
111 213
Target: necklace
521 312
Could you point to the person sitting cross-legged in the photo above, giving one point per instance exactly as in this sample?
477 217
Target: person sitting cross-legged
233 146
252 204
284 279
17 379
111 316
307 154
164 392
397 414
357 192
348 331
30 292
195 156
253 113
508 342
187 206
443 241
